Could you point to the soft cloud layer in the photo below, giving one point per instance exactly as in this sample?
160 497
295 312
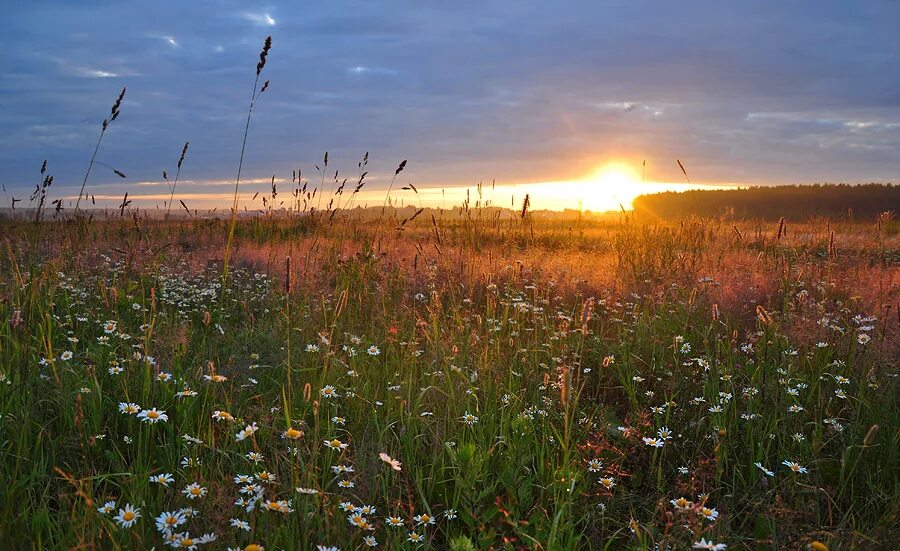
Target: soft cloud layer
517 91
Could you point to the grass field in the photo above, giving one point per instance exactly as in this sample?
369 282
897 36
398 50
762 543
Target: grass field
469 381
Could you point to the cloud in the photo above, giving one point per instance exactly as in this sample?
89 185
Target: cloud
364 70
259 18
168 39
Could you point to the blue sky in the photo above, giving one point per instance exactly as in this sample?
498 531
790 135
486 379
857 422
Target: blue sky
518 91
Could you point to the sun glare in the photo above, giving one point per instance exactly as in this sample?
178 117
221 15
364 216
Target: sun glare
612 186
615 176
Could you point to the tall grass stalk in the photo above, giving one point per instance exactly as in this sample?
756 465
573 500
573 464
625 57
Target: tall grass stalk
237 181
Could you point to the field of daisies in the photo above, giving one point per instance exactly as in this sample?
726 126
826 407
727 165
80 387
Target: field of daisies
454 386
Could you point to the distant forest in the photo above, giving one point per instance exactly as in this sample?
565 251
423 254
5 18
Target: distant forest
772 202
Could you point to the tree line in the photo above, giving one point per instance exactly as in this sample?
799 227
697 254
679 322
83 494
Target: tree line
835 201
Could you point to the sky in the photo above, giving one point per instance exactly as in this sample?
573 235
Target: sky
533 95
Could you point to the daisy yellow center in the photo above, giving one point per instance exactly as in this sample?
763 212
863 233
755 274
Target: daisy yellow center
171 521
425 518
195 491
335 443
128 515
152 415
253 547
681 502
187 542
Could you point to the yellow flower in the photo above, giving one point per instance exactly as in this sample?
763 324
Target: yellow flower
293 433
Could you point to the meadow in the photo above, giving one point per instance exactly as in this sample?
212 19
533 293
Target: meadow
466 379
310 375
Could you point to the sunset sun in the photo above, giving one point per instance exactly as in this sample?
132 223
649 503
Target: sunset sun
612 186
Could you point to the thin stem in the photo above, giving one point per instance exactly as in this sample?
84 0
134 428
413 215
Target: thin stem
90 166
237 182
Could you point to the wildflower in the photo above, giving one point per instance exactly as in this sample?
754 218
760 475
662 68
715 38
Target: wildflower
243 479
681 503
370 541
115 370
394 521
336 444
682 470
373 350
107 508
163 479
424 519
128 516
194 490
240 524
266 476
169 520
153 416
282 506
190 462
450 514
66 356
248 431
390 461
634 527
710 546
709 514
796 467
215 378
292 434
255 457
863 339
594 465
358 520
469 419
664 433
328 391
346 484
366 509
840 394
763 469
654 442
251 489
129 408
413 537
608 482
